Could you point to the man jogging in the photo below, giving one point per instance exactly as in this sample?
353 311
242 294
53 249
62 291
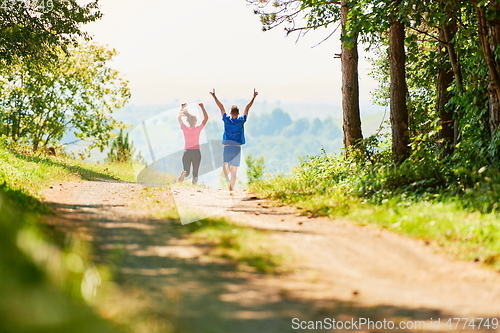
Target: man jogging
233 137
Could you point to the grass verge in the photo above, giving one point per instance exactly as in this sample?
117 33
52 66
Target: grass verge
468 234
23 176
48 281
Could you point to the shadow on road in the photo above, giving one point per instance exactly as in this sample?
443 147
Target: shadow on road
197 293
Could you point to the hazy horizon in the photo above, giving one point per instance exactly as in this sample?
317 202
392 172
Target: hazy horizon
172 50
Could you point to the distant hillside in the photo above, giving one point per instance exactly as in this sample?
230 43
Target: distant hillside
370 123
280 134
133 114
301 110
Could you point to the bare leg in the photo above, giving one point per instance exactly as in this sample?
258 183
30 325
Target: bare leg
232 182
225 171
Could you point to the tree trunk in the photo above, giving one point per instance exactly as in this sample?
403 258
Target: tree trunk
494 30
446 74
447 132
398 92
447 34
350 86
489 36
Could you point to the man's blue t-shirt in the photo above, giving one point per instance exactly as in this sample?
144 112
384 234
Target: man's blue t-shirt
234 132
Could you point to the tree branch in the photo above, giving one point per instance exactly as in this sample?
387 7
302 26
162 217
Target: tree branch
428 34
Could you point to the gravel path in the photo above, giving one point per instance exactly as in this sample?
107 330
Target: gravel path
343 271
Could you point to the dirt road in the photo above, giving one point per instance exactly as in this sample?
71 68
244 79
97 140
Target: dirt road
346 272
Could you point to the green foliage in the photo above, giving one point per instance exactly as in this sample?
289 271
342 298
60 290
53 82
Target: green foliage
41 288
24 174
255 168
39 296
121 149
429 199
47 278
427 52
78 92
34 30
442 38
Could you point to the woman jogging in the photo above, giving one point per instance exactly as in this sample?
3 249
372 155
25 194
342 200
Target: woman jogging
192 155
233 137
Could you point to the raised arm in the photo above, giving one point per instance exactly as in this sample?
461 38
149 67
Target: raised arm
205 114
219 104
249 105
182 113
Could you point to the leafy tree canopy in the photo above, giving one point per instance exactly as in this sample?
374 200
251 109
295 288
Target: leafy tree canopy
77 92
32 29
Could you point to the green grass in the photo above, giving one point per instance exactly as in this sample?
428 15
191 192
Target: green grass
250 249
39 291
468 235
426 198
42 273
446 221
24 175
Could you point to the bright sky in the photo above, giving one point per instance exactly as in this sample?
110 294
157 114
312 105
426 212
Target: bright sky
179 50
